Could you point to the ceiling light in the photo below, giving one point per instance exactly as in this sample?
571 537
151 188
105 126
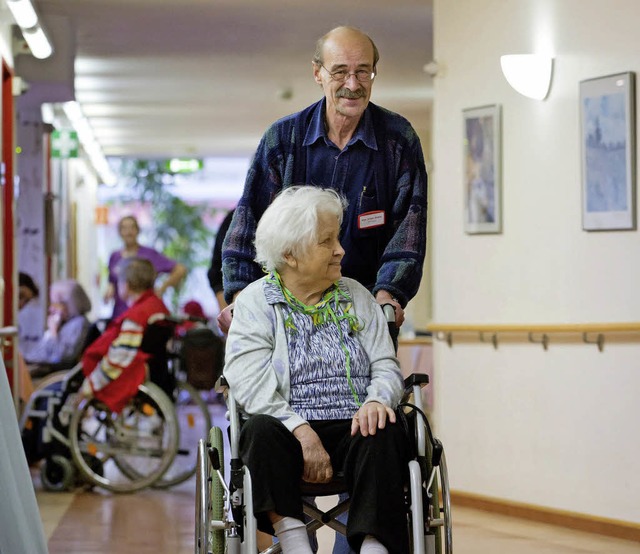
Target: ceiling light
25 16
38 42
23 13
528 74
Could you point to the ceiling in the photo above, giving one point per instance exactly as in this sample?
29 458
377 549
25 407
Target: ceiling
200 78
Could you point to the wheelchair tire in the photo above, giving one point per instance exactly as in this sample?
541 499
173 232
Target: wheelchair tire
194 422
440 504
127 451
57 473
217 537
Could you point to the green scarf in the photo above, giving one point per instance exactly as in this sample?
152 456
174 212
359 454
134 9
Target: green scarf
321 313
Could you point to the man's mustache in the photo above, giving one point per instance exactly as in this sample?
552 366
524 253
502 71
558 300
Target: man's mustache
350 94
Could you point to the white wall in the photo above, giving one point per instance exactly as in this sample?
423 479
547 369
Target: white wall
556 428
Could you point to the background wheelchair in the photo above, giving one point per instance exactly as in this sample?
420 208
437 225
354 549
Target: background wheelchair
85 441
224 509
152 442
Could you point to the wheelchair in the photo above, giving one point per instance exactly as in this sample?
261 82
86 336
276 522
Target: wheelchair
224 508
152 442
83 441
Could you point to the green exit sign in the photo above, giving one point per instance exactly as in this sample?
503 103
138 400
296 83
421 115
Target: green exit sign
64 144
184 165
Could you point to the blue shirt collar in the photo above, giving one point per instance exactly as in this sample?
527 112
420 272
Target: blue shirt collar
316 130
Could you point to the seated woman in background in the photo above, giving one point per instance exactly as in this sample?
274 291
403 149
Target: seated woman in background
311 363
67 328
30 314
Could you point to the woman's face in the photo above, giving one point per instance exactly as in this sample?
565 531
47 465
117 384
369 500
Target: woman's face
320 265
128 231
24 295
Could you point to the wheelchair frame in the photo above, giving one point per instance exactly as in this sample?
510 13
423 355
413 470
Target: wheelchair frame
224 512
82 437
68 451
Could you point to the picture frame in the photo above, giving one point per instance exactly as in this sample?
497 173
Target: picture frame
607 115
482 170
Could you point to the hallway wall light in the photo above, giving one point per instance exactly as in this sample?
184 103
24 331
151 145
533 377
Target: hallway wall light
26 18
528 74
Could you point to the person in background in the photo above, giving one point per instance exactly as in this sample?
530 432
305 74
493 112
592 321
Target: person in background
129 230
29 314
215 270
114 365
312 366
67 328
369 154
194 310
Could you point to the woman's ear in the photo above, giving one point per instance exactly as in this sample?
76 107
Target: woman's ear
290 260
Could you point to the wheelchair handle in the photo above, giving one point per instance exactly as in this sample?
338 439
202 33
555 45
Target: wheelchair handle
389 311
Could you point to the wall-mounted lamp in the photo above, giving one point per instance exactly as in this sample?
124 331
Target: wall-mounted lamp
529 74
32 31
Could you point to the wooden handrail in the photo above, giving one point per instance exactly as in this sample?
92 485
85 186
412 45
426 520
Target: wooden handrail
537 332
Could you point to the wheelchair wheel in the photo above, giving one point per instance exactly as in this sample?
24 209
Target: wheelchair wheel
126 451
194 422
439 518
217 536
57 473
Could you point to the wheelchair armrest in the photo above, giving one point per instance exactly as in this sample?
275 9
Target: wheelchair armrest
421 379
221 384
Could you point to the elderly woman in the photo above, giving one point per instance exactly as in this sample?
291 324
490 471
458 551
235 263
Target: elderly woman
67 327
311 363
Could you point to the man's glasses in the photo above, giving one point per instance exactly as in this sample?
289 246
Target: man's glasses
342 75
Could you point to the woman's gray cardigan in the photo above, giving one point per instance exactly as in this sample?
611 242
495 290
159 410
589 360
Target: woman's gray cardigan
257 358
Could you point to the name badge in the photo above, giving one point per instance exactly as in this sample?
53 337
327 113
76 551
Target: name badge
369 220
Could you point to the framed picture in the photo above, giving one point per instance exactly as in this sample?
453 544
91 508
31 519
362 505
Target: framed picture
482 172
607 108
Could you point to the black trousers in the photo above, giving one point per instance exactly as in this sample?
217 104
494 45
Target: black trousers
375 470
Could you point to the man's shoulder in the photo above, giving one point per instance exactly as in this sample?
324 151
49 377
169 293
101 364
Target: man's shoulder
290 121
391 121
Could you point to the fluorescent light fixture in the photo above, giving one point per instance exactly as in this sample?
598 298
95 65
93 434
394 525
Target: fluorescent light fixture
32 31
528 74
90 145
38 42
23 13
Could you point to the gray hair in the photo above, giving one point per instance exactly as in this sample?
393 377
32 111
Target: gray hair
318 58
138 273
70 293
290 224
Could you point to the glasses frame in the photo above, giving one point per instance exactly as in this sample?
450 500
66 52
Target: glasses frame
372 75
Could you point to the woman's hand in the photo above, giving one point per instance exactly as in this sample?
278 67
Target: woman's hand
370 417
54 322
317 464
110 293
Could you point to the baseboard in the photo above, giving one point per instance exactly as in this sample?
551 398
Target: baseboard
582 522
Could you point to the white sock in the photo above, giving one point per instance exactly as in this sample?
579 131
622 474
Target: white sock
371 545
292 534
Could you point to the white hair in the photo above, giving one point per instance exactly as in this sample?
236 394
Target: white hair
290 224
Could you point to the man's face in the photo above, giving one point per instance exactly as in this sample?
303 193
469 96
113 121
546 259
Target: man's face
346 52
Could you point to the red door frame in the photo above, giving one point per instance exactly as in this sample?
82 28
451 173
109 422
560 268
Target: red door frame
8 226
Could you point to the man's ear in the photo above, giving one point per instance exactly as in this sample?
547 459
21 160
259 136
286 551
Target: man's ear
316 73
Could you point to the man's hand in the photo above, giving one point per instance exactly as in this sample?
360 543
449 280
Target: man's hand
224 319
370 417
383 297
317 464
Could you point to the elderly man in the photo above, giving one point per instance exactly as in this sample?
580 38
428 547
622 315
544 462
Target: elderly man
370 155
